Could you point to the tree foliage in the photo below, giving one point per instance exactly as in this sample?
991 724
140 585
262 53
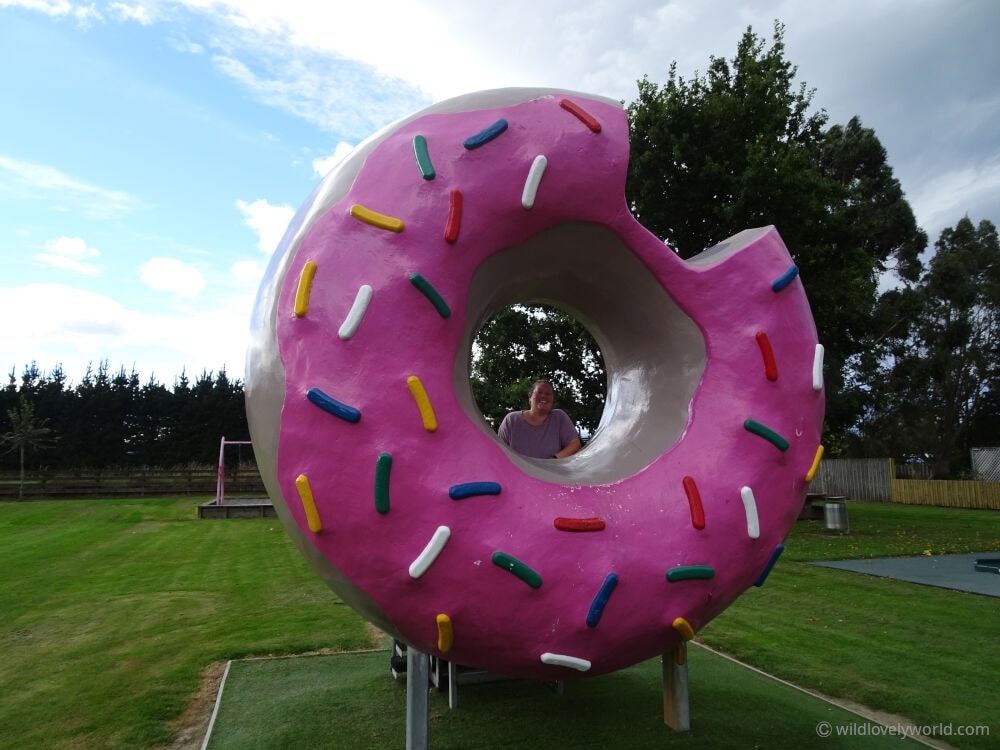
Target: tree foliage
522 344
113 420
26 432
935 372
737 148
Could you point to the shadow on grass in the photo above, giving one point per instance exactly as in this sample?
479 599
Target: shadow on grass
351 701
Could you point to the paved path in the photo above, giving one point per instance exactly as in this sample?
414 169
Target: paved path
946 571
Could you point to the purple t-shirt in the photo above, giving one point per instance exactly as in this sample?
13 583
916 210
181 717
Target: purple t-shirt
544 441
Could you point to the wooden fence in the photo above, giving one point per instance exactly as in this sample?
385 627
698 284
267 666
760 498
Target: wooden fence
870 479
133 482
950 493
875 479
856 478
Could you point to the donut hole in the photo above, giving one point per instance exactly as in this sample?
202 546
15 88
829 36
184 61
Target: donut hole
654 353
523 343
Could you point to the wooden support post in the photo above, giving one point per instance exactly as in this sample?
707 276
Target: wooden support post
676 707
417 675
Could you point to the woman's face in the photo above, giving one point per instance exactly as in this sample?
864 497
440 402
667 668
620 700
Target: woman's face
541 398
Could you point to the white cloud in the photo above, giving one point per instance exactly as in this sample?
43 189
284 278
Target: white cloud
77 328
21 179
132 12
268 221
70 253
57 8
71 247
333 93
183 44
171 275
247 271
940 200
321 167
63 317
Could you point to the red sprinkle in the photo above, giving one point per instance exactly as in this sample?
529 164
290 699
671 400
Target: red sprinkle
579 524
694 500
581 114
454 217
770 366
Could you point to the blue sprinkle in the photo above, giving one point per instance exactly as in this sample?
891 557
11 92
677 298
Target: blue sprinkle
487 135
770 564
332 406
785 279
597 607
469 489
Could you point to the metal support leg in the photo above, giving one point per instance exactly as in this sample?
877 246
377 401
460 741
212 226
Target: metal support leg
452 684
676 707
417 673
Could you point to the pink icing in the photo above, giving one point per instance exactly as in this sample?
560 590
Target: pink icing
500 622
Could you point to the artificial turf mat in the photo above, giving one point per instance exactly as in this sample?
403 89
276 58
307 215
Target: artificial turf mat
351 701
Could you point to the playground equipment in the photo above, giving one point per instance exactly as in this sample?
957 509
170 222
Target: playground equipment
240 507
390 481
220 485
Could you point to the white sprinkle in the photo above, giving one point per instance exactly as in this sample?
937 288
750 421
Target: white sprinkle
818 368
750 506
419 566
353 319
561 660
534 178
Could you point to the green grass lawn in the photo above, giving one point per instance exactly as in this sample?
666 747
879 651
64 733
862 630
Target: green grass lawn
927 653
112 610
302 703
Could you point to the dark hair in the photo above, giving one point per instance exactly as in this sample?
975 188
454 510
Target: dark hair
539 382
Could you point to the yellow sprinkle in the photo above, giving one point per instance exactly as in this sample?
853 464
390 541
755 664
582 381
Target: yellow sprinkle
681 626
305 492
812 469
682 654
376 219
423 403
446 635
305 286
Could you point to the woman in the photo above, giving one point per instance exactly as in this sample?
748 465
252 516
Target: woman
540 431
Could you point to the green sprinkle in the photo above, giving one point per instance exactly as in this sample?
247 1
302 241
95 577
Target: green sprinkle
518 568
382 468
431 293
767 433
423 158
687 572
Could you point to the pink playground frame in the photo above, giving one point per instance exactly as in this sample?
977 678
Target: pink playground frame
221 477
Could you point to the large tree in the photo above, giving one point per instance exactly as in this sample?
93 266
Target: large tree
738 147
935 372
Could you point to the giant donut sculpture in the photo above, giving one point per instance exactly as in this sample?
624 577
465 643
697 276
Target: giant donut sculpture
391 482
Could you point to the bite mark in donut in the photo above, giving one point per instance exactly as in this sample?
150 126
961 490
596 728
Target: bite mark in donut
419 517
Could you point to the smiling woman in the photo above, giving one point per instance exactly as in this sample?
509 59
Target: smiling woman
522 343
541 431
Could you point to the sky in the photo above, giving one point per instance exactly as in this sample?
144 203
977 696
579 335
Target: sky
152 153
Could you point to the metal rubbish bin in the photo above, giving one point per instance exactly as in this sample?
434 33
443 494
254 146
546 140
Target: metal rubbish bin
835 513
